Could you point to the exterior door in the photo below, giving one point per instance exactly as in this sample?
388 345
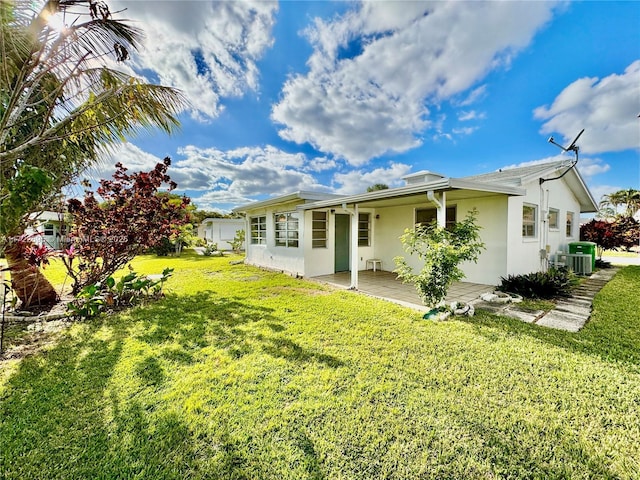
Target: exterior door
341 263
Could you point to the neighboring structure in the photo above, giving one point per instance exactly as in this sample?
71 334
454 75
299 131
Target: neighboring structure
48 228
220 231
526 215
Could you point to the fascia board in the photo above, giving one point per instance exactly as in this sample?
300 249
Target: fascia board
302 195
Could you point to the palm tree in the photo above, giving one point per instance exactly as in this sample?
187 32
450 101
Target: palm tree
62 107
629 199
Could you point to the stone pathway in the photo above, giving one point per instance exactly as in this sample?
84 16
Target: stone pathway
569 314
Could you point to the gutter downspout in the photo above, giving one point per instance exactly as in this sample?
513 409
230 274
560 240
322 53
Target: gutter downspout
439 200
353 257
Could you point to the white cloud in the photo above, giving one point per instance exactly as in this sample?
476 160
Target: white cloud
466 116
208 49
476 94
590 167
357 181
464 130
598 191
375 70
129 155
215 177
606 108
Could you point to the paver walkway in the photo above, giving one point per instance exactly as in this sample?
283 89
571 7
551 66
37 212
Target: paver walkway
569 313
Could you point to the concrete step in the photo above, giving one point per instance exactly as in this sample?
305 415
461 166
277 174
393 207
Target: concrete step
562 321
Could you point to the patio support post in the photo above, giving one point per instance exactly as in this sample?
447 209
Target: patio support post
440 201
354 248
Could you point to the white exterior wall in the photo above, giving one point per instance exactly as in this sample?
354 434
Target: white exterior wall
492 214
286 259
389 227
492 218
499 216
221 231
524 254
321 261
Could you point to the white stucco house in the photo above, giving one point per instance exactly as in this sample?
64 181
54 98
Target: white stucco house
48 228
526 215
220 231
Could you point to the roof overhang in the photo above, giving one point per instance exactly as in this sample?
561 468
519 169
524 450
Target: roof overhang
291 197
581 191
380 197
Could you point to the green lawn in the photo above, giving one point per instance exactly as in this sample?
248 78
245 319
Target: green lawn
245 374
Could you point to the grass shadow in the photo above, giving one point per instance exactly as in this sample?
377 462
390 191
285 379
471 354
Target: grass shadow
192 322
285 348
612 333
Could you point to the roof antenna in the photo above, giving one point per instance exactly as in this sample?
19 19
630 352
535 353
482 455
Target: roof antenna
571 148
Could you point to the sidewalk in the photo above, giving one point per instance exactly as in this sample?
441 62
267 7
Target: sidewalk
569 314
613 260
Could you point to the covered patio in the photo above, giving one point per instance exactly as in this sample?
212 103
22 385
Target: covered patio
386 285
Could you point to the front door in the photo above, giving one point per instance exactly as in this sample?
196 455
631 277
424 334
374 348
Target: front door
342 243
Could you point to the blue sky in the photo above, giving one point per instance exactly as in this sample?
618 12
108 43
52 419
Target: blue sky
338 96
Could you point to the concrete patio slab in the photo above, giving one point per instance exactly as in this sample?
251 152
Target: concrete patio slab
386 285
570 314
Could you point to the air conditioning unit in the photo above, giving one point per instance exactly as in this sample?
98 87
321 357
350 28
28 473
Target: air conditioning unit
580 264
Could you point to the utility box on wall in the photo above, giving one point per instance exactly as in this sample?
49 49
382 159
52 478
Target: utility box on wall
585 248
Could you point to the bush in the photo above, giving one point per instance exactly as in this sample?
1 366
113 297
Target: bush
211 249
112 295
442 251
555 282
602 263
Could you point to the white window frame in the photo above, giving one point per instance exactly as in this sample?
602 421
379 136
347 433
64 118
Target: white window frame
49 229
364 229
451 215
569 226
556 225
319 228
530 223
258 234
287 226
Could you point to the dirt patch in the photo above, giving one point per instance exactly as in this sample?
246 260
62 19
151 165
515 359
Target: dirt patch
30 331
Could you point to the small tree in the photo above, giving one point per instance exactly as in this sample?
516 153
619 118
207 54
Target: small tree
628 230
237 244
442 251
130 218
623 232
377 186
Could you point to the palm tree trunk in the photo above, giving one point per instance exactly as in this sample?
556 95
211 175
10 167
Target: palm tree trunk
27 281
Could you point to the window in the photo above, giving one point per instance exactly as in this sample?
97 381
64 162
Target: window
529 217
259 230
319 229
425 216
569 224
554 216
48 229
286 229
364 229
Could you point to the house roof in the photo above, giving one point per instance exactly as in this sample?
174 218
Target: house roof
549 171
299 195
508 181
222 220
47 216
444 184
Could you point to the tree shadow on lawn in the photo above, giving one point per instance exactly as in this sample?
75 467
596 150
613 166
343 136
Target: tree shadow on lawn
60 418
62 415
232 324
